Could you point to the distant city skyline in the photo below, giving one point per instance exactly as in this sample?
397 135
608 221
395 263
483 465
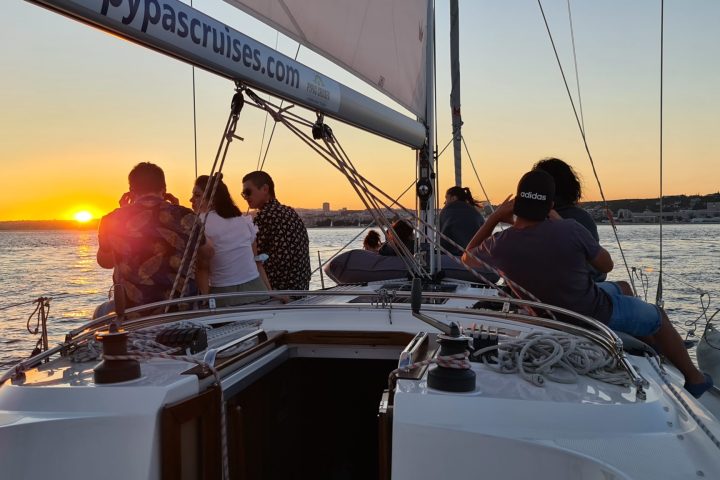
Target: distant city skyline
81 107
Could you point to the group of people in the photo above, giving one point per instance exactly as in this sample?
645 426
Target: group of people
144 242
550 249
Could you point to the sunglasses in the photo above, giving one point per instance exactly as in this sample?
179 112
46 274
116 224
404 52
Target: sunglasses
246 193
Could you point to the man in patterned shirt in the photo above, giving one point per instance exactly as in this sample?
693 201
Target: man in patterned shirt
144 240
281 234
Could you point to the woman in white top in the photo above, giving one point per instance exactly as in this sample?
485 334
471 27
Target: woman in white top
235 266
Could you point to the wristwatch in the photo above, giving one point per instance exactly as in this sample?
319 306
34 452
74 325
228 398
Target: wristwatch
262 257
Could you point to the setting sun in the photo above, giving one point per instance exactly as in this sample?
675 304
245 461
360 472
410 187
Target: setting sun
83 216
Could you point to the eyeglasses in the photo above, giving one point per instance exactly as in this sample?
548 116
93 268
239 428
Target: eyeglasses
246 193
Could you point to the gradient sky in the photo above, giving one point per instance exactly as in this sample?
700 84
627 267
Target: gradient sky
81 107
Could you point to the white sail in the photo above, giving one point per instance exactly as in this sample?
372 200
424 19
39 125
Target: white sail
380 41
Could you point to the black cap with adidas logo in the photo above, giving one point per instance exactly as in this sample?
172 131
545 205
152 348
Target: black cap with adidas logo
535 195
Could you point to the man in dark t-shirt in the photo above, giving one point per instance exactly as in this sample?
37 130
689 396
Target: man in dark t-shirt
549 257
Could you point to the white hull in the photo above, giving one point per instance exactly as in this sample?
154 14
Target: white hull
319 350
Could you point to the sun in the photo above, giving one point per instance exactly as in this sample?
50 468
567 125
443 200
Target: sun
84 216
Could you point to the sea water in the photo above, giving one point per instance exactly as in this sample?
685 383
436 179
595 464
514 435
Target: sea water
61 265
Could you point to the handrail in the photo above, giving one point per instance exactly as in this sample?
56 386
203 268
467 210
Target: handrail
400 294
603 335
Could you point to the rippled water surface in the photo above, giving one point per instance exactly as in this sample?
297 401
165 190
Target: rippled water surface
61 264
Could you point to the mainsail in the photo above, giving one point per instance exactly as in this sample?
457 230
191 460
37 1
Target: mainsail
382 42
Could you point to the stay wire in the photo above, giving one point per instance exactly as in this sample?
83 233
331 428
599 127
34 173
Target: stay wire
333 156
198 227
272 132
262 140
338 252
587 148
362 190
472 164
577 74
328 156
195 143
659 293
446 146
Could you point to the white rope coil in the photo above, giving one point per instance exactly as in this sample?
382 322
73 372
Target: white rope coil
557 357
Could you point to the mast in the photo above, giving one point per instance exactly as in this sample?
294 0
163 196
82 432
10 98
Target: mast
180 31
426 174
455 89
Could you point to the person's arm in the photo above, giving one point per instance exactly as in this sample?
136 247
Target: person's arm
105 257
603 261
202 269
261 268
503 214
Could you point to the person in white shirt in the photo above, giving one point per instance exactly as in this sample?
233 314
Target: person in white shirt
235 266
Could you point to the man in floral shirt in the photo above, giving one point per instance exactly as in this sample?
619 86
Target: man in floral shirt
144 240
281 235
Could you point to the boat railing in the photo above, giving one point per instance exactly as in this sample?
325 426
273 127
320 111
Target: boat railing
588 327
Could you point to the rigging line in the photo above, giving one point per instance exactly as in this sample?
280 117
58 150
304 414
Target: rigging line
472 164
198 227
395 242
328 156
577 74
680 280
658 294
267 114
587 149
272 132
703 313
337 252
446 146
436 157
357 182
194 115
334 160
332 154
469 269
516 288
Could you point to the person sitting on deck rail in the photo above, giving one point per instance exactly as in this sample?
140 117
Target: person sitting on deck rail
235 265
549 256
281 234
460 218
568 192
144 240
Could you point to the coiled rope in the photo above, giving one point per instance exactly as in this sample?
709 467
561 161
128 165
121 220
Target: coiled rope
542 356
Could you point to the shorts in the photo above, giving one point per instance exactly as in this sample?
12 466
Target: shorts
630 314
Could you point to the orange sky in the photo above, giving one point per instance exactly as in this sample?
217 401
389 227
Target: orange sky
80 108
